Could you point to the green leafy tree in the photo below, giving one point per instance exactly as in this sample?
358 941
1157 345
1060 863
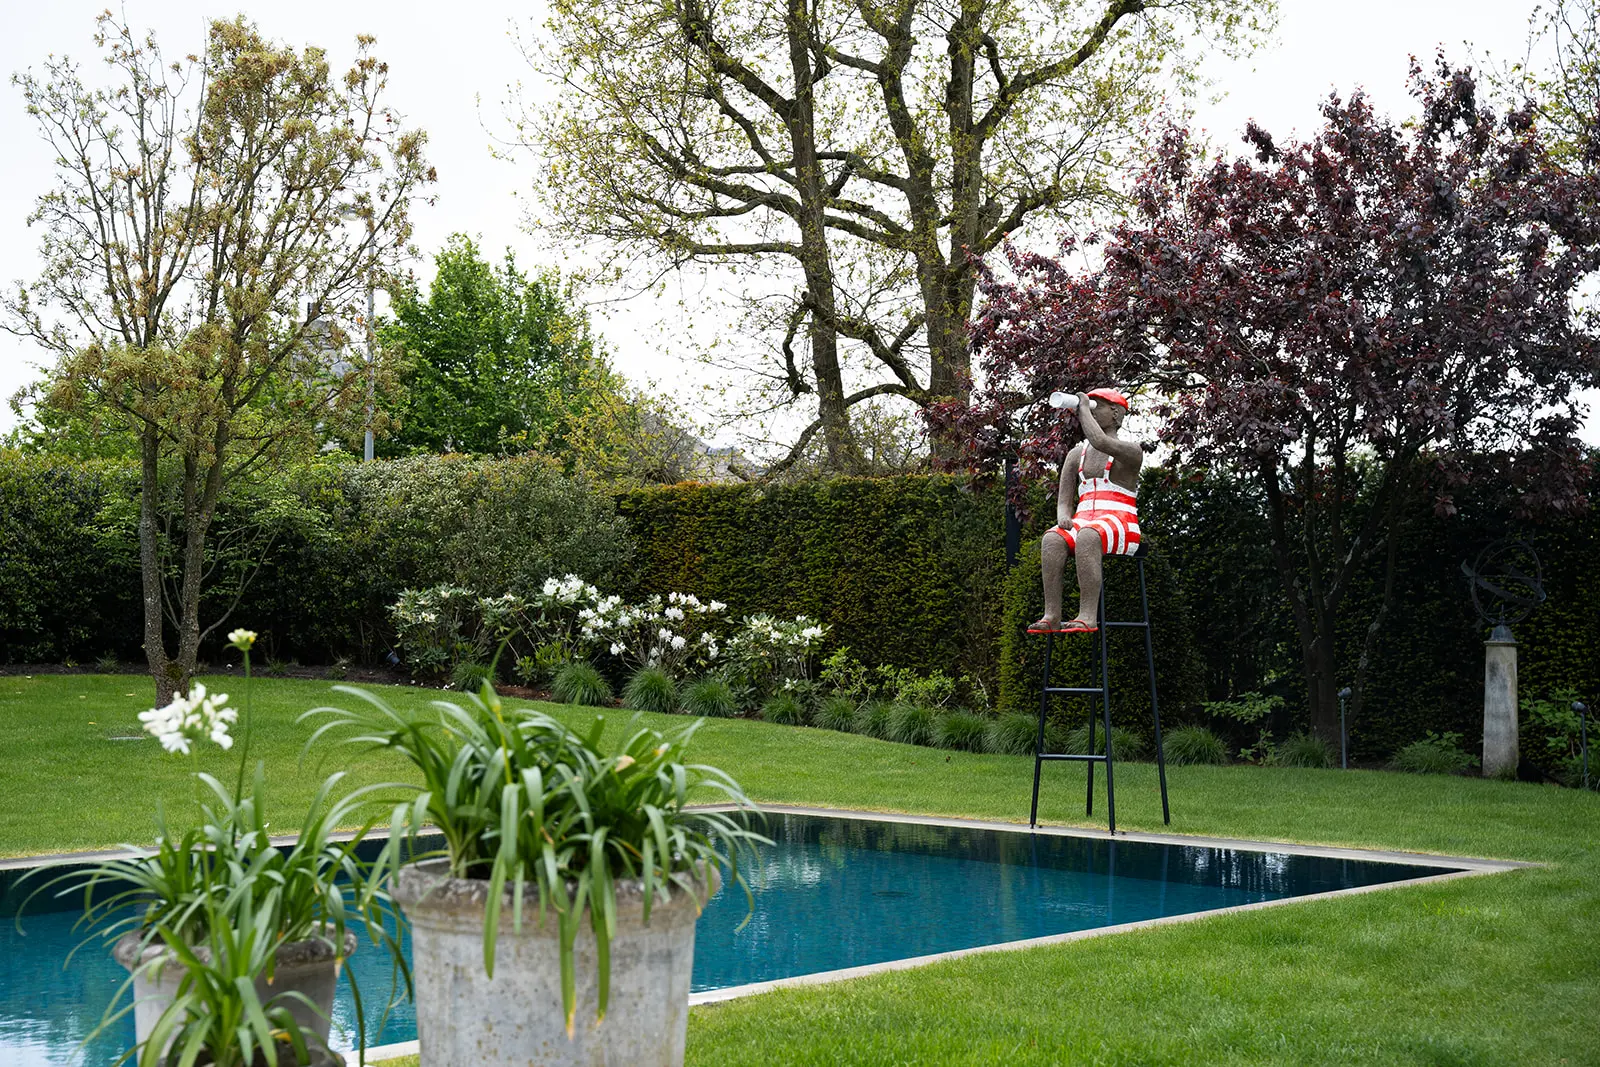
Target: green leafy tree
498 361
181 240
856 154
495 359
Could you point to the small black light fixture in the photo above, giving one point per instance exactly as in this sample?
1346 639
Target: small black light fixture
1344 736
1583 736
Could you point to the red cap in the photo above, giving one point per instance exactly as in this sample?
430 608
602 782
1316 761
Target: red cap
1110 396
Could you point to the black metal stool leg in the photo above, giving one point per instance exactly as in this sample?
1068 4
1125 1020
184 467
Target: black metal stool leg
1088 803
1038 744
1155 708
1105 704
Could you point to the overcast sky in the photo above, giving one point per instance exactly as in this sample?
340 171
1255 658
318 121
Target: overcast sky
451 66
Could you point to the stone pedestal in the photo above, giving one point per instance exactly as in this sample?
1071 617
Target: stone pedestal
1500 703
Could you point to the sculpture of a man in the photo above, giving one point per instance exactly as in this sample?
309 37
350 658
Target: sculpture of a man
1097 509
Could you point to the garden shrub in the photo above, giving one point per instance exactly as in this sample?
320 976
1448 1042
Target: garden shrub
1302 750
1551 737
1434 754
835 712
961 730
651 689
710 697
1193 744
910 724
493 525
579 682
785 709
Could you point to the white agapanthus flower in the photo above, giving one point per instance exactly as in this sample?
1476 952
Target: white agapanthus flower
616 648
678 642
190 719
664 633
716 605
673 613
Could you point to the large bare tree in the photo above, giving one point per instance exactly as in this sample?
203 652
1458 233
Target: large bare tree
198 207
866 148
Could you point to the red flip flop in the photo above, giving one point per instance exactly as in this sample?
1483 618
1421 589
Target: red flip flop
1056 629
1077 627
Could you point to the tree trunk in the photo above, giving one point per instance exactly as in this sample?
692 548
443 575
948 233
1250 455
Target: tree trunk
1322 685
155 649
840 451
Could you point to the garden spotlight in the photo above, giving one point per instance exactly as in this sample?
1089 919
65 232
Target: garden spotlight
1583 736
1344 738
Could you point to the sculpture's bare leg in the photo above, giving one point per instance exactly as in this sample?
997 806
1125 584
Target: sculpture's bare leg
1053 551
1089 558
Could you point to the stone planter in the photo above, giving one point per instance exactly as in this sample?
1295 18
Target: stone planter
464 1017
308 967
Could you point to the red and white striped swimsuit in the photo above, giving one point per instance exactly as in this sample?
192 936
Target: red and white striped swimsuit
1108 508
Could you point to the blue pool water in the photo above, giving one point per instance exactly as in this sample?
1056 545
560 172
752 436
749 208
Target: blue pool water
830 893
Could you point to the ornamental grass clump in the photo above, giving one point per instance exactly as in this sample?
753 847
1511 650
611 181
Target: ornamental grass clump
522 799
711 698
962 730
910 724
872 719
1302 750
1014 734
835 712
1126 744
580 682
651 689
1193 745
785 709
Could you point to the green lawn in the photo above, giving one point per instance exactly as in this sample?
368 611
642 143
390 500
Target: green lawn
1491 970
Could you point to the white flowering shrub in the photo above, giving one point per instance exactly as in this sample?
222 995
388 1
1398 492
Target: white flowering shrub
436 628
679 633
769 654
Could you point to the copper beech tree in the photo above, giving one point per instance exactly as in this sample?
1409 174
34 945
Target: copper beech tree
203 257
1356 325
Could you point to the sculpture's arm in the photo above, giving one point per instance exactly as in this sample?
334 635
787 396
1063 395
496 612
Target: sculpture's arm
1067 494
1115 447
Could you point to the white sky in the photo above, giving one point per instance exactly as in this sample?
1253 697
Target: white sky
451 66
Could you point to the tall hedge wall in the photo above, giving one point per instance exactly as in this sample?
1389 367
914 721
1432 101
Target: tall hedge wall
906 571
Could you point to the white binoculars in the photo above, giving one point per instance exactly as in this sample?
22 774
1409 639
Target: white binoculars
1069 401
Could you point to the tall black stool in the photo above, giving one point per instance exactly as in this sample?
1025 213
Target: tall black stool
1104 691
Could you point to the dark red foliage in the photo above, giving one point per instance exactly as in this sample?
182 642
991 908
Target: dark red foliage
1331 318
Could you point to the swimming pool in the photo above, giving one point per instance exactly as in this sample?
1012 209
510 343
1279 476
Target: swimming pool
834 893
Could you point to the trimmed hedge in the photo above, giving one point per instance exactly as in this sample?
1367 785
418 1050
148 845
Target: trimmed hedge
68 590
905 571
347 538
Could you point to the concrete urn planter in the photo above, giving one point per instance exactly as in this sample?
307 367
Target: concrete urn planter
464 1017
308 967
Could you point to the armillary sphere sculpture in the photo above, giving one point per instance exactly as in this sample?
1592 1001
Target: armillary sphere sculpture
1506 582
